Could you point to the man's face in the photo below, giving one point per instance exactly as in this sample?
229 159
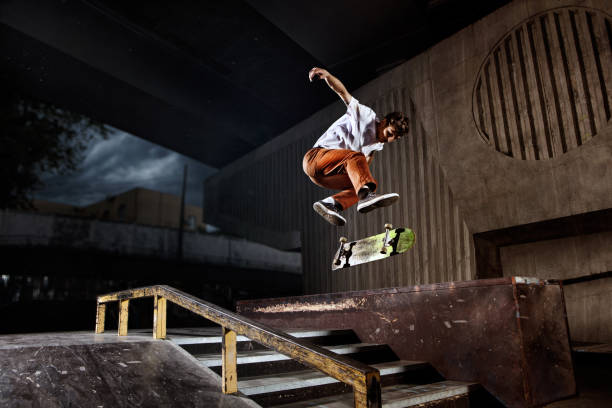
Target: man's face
390 133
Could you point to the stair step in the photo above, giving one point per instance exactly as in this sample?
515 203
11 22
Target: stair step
310 378
213 335
395 396
250 357
208 340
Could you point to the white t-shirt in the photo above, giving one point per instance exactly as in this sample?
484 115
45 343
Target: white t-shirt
355 130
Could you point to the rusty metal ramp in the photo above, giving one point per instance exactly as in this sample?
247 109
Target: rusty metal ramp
103 370
501 333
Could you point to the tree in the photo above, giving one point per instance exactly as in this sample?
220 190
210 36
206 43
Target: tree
37 137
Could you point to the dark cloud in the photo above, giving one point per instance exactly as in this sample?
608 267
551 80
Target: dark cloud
123 162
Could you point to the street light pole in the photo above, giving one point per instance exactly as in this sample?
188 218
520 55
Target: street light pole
182 217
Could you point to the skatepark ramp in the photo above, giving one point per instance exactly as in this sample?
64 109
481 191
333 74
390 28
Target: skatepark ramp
364 380
464 344
294 368
83 369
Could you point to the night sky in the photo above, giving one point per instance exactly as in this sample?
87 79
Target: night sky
123 162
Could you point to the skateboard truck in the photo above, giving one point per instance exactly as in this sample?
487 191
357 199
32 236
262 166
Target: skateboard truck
386 240
341 251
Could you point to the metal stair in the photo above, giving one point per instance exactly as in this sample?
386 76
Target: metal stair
273 379
438 394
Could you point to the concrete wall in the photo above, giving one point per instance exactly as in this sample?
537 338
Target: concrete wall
510 126
588 302
589 306
268 190
492 189
562 258
24 229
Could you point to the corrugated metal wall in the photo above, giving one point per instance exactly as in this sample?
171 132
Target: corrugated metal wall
443 250
273 191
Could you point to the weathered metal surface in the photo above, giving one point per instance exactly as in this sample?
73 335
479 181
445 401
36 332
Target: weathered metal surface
371 397
602 348
349 371
100 317
124 305
229 372
381 246
128 294
159 317
515 344
544 341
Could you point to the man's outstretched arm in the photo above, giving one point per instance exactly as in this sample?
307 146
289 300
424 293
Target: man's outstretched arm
333 82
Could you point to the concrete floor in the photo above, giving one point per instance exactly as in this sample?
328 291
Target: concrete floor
104 370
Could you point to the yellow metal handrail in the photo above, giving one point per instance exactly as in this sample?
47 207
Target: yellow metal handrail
364 379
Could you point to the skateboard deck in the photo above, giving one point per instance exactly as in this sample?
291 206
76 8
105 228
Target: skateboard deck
381 246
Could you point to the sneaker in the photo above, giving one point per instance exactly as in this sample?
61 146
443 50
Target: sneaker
373 201
329 212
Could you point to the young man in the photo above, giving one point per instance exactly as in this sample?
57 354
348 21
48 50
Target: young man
340 158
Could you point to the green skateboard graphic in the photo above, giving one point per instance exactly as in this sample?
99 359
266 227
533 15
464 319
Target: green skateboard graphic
389 243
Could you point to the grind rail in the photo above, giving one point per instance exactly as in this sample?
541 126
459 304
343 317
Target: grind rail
364 380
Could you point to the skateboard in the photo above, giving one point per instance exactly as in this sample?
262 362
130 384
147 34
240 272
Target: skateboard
389 243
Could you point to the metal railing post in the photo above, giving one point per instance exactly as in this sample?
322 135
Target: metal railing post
368 393
229 373
123 316
100 317
159 317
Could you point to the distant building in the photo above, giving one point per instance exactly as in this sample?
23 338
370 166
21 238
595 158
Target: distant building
50 207
139 206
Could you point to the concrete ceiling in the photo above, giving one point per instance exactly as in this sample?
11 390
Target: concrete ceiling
212 79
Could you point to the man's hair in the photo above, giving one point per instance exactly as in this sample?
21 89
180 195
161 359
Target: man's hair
400 121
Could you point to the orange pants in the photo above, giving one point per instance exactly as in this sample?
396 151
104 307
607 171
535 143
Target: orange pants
339 169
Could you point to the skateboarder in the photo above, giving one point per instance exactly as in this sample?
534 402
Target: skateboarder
340 158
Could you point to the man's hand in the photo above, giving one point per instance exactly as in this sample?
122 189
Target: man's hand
333 82
318 73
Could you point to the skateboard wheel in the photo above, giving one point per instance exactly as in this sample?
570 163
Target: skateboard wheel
388 226
343 240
